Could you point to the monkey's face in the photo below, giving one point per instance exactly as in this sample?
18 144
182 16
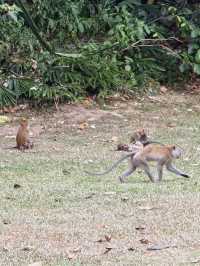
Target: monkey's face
176 152
141 135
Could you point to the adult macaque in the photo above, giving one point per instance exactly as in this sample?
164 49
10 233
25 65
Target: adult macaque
163 155
139 158
22 138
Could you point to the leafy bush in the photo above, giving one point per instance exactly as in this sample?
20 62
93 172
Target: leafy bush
97 47
65 19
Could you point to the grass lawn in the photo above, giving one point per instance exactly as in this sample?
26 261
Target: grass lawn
59 216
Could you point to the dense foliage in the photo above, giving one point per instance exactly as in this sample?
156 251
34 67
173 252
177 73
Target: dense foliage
68 49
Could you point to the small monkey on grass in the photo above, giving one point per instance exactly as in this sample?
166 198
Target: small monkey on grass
163 155
22 138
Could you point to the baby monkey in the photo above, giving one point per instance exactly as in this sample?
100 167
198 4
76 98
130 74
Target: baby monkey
139 136
22 138
163 155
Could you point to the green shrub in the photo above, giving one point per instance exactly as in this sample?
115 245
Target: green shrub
121 45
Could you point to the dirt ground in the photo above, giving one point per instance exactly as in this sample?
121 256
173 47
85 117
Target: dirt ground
52 213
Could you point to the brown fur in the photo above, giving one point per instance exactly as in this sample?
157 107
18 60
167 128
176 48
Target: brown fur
22 138
139 135
163 155
157 152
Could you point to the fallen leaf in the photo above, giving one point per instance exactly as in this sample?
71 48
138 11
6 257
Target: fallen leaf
89 196
10 137
4 119
124 199
147 208
144 241
114 139
26 249
92 119
99 226
131 249
9 198
83 126
22 106
57 200
100 240
16 186
65 172
108 238
156 117
109 193
6 221
108 249
139 228
154 99
70 256
163 89
88 102
38 263
160 247
76 250
5 109
13 109
195 261
171 125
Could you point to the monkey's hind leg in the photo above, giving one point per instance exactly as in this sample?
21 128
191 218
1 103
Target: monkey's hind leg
146 168
126 174
160 171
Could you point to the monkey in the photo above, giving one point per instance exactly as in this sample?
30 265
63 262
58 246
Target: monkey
141 136
122 147
22 138
163 155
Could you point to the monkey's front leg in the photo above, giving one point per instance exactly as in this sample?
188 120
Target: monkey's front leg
127 173
172 169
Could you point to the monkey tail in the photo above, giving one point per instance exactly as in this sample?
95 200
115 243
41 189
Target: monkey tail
113 166
11 148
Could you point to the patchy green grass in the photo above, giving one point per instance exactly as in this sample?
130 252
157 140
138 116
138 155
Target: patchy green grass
59 216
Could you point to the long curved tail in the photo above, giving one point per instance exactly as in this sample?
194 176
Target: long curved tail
113 166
